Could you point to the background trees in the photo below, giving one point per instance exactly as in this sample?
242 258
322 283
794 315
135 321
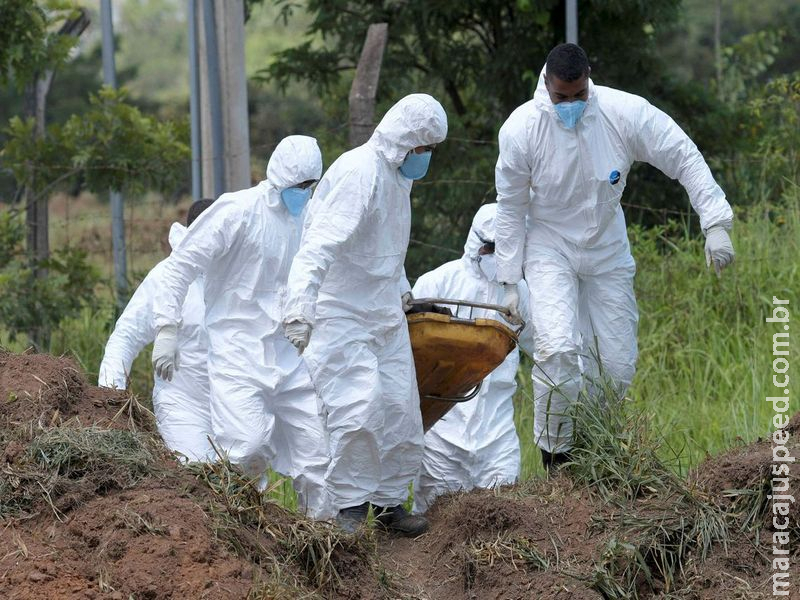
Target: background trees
482 60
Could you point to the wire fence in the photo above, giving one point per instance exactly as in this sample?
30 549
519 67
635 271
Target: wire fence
85 222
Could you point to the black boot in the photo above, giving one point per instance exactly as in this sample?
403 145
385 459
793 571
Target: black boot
351 518
552 461
397 519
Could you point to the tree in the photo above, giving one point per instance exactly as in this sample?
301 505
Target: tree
32 38
482 59
111 146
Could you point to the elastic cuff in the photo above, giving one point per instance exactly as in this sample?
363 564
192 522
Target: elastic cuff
726 224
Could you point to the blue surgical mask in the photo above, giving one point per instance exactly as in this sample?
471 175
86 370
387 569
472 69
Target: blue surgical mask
295 199
416 165
570 112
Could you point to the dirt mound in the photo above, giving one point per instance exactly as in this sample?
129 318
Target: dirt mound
149 543
46 389
92 506
517 542
742 477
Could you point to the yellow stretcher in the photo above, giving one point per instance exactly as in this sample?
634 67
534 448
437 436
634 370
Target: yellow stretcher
453 355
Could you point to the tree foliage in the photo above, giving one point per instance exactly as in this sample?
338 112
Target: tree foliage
30 39
484 57
111 146
482 60
28 302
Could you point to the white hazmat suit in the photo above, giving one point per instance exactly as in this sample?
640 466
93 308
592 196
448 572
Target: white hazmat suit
574 248
476 443
346 281
181 406
263 407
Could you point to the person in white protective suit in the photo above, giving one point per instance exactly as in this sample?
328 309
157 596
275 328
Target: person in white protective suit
564 159
181 406
346 293
475 444
264 410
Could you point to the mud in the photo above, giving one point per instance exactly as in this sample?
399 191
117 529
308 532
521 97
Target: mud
167 536
48 390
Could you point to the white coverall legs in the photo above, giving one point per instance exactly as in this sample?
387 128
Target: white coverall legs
276 424
575 344
367 384
183 415
298 427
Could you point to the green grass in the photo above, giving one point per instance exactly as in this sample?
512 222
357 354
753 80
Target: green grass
705 352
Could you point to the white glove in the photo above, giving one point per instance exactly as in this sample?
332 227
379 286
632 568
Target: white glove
165 352
298 333
511 302
719 249
405 300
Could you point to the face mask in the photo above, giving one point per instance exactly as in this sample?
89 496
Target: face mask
295 199
488 264
570 112
416 165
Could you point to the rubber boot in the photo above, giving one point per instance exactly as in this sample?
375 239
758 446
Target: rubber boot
552 461
351 518
397 519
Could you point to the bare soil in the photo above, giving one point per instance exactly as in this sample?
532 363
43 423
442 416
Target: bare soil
168 536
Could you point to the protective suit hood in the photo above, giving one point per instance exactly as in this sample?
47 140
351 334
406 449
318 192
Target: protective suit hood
481 231
296 159
176 233
482 227
541 99
416 120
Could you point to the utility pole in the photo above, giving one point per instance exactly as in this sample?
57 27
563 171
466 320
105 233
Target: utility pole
365 84
572 21
214 96
194 103
117 206
223 89
718 47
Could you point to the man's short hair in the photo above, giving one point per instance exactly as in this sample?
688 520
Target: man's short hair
196 208
567 62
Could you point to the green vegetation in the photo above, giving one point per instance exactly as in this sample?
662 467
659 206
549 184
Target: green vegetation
705 352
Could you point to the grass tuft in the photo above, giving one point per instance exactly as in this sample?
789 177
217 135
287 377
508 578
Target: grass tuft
660 519
62 465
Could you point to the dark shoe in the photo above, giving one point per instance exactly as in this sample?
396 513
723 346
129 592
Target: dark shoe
351 518
552 461
397 519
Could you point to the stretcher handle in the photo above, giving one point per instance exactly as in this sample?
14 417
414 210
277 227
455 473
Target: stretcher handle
503 310
469 396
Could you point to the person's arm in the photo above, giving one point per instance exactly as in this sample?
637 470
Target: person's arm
513 183
659 141
210 236
526 337
404 285
133 331
427 286
331 222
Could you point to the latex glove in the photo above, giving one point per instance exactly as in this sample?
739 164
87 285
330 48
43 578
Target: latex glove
511 301
165 352
719 249
298 333
406 299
